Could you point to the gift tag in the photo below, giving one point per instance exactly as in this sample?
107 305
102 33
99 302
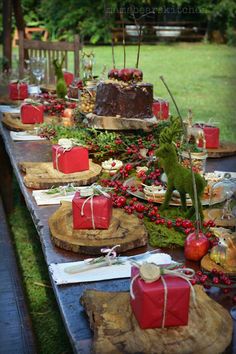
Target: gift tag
149 272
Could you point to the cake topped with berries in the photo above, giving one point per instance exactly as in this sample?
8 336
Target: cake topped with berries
124 94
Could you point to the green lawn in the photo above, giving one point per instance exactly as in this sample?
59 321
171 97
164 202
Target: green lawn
201 76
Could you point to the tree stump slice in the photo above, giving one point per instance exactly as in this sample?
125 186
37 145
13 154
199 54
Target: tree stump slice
215 214
226 148
125 230
42 175
208 264
120 123
13 122
116 330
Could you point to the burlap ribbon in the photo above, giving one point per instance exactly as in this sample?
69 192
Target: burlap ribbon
155 274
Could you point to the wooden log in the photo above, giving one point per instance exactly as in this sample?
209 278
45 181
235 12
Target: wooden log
116 329
42 175
13 122
216 214
208 264
226 148
120 123
125 230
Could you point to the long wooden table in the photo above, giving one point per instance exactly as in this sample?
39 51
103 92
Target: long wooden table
68 296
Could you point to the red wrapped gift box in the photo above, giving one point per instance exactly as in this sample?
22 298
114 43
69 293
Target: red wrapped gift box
148 305
69 77
18 90
31 114
212 136
74 160
94 212
160 109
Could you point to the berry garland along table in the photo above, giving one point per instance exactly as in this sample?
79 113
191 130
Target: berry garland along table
77 326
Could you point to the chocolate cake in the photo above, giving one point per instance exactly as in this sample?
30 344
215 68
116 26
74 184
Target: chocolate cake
120 99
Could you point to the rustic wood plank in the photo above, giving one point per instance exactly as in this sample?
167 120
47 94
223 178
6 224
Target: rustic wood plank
125 230
72 311
116 329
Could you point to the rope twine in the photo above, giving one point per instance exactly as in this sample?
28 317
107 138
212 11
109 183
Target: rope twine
150 272
90 193
65 145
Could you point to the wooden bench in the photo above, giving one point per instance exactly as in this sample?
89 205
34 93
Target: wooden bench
154 32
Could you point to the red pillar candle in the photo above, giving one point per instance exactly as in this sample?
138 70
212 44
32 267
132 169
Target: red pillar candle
69 77
160 109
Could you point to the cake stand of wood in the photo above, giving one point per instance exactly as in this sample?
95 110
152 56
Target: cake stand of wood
5 99
125 230
226 148
13 122
42 175
215 214
120 123
117 331
208 264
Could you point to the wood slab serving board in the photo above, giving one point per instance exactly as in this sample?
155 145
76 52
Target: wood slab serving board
116 329
13 122
208 264
125 230
42 175
216 214
225 149
120 123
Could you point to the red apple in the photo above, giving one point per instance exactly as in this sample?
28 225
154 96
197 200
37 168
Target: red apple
137 75
196 247
113 73
125 74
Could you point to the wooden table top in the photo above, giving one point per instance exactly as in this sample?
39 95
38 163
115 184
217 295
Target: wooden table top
68 296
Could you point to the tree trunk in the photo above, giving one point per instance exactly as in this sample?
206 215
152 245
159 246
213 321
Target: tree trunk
20 22
7 21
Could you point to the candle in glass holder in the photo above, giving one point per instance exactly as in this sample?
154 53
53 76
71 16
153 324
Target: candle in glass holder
67 118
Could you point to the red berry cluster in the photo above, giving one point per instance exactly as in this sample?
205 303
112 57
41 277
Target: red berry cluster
54 106
214 278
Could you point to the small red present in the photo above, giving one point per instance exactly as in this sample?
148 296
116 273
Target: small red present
160 109
70 160
148 304
92 212
31 113
69 77
18 90
212 136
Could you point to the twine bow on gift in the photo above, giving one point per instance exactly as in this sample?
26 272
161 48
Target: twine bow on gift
151 272
64 145
18 83
90 192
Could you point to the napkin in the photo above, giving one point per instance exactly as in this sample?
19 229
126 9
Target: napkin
24 136
43 198
116 271
9 109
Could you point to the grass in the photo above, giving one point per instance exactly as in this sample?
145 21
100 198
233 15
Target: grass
48 327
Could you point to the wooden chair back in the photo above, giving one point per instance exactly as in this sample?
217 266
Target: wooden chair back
49 50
